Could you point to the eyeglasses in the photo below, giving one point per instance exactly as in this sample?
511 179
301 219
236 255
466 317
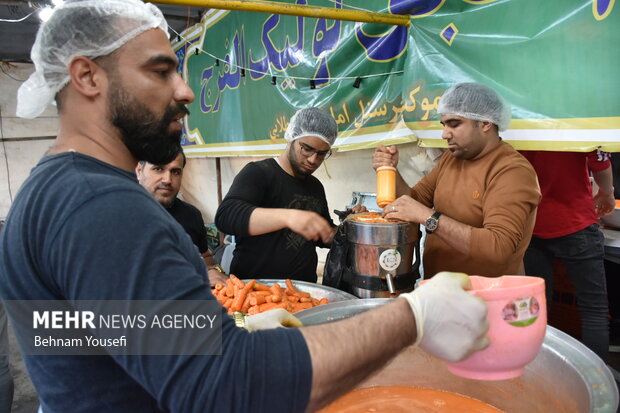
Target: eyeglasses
308 151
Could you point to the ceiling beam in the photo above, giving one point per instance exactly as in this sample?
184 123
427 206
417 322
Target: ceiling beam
293 10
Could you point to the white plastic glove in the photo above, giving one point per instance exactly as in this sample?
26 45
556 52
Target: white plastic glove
278 317
451 323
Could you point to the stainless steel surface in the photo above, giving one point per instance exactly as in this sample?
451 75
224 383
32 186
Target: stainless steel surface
612 244
379 249
390 283
565 376
339 311
367 199
317 291
612 221
379 234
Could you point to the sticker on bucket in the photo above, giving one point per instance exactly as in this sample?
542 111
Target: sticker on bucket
389 260
521 312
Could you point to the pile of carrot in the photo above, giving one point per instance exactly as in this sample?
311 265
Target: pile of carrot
253 297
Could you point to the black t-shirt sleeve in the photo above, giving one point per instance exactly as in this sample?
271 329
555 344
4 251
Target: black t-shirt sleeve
246 193
201 231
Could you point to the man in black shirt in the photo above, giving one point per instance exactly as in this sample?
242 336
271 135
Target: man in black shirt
277 210
164 183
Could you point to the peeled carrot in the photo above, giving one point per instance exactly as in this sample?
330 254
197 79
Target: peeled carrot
238 301
257 299
267 306
253 310
300 306
230 289
290 286
249 286
246 305
261 287
237 281
276 296
253 297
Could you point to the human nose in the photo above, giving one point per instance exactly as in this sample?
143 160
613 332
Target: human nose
445 134
166 177
183 93
314 158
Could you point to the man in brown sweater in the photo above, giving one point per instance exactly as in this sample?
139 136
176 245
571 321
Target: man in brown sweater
479 203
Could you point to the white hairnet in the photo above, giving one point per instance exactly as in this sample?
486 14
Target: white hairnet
312 122
90 28
477 102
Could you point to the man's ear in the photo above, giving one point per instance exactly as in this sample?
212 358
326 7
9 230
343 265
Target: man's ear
487 126
87 77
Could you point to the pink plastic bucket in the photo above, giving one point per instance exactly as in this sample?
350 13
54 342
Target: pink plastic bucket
517 324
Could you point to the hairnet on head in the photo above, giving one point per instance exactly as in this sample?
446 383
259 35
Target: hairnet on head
477 102
312 122
90 28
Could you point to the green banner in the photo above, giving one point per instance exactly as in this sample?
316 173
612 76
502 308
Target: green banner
555 62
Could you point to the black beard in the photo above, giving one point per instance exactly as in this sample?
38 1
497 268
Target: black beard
146 138
292 159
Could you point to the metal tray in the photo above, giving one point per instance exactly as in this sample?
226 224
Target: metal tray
612 221
338 310
565 377
317 291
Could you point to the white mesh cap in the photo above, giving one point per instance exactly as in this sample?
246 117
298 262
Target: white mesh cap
477 102
312 122
90 28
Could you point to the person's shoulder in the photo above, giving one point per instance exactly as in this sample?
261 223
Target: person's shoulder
313 180
80 175
264 166
74 188
187 207
268 164
507 159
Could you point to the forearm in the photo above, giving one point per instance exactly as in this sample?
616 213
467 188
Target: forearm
338 365
266 220
604 180
455 234
207 257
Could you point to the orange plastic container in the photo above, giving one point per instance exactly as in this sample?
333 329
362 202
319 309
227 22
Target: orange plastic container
386 185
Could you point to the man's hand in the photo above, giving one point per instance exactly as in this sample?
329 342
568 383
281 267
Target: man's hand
216 276
451 324
310 225
385 156
604 203
407 209
278 317
358 208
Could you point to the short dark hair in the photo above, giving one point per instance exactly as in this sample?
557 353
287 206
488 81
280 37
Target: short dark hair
179 151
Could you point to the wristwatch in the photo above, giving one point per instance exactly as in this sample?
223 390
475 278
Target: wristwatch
219 268
239 318
432 223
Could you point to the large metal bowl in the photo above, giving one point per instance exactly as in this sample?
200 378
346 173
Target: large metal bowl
565 376
317 291
613 220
